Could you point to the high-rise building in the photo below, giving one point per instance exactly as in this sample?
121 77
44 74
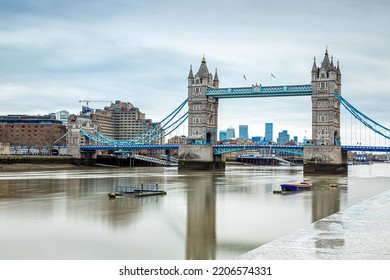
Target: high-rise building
268 132
230 133
222 135
283 138
243 132
121 121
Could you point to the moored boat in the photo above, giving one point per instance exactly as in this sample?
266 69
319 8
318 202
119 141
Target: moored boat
293 187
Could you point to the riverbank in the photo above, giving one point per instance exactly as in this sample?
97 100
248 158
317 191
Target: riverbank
22 163
360 232
27 167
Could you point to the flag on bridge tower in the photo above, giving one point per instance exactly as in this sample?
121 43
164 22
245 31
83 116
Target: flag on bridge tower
270 78
244 77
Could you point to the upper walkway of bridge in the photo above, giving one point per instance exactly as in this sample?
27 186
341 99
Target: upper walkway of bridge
260 91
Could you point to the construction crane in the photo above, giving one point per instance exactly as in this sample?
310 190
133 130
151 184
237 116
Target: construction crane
87 101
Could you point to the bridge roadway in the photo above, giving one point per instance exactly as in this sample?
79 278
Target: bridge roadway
360 232
222 149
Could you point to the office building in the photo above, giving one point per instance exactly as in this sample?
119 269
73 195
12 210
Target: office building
243 132
257 139
283 137
268 132
230 133
222 135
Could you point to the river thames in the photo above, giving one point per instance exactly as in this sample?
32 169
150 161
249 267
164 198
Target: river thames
66 214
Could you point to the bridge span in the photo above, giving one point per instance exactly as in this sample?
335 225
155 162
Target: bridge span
223 149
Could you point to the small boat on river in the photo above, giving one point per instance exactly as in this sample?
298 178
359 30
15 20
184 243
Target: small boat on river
293 187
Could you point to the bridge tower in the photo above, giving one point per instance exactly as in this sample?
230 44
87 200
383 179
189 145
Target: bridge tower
202 110
202 122
325 156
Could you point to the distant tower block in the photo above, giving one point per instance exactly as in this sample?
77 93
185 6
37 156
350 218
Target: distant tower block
325 155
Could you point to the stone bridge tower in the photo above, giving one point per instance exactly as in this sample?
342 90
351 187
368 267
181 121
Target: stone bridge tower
202 110
202 123
325 80
325 155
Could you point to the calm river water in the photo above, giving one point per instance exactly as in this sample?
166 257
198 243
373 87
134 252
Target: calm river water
205 215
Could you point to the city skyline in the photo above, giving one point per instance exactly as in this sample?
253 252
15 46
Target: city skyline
99 51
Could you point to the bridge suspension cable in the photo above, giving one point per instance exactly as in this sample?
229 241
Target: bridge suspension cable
368 122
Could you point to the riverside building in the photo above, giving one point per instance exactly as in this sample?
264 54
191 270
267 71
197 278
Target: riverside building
31 131
121 121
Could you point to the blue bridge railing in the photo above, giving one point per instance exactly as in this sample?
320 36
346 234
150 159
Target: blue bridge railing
260 91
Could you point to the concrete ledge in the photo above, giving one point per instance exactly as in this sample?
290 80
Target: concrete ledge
360 232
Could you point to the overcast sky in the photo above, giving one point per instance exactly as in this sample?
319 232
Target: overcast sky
55 53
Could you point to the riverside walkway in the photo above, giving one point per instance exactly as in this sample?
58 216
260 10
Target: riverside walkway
360 232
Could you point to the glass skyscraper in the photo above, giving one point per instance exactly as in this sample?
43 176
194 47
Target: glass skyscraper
283 138
268 132
222 135
243 132
230 133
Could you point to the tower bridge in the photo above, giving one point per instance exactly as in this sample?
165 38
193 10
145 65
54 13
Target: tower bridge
325 154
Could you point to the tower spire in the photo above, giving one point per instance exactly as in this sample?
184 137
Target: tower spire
314 68
216 79
326 63
190 75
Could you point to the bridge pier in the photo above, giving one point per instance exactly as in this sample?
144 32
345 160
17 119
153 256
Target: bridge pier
199 157
325 160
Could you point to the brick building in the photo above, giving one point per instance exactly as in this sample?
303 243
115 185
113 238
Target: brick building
31 131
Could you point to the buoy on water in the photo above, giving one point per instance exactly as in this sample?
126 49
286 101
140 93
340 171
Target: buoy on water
112 195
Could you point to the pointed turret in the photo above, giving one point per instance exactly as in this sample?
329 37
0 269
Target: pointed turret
190 75
314 68
338 68
203 72
216 79
326 62
331 62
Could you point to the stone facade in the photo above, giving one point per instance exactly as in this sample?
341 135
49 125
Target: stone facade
325 80
199 157
325 159
75 139
202 110
326 155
